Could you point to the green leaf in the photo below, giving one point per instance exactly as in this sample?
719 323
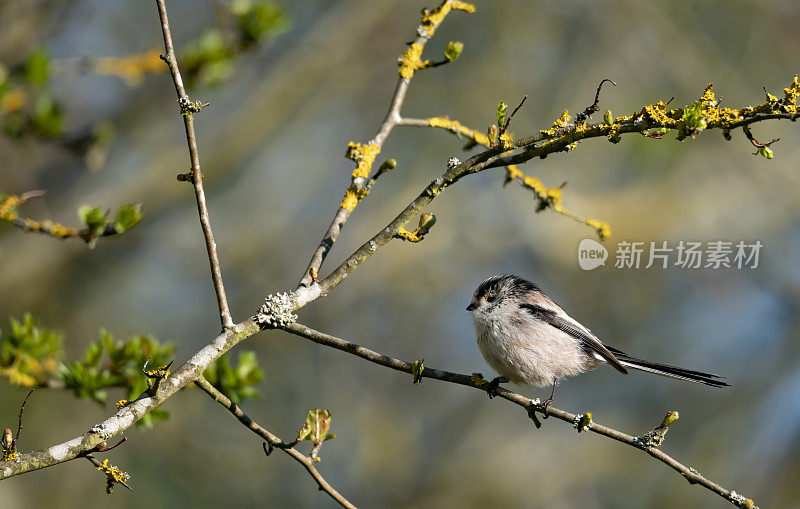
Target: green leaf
259 20
694 117
93 353
47 118
128 216
93 218
501 113
453 50
765 152
37 68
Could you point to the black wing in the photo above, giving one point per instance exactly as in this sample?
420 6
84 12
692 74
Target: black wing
566 324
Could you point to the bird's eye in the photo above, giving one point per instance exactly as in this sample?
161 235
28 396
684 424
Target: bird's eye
490 297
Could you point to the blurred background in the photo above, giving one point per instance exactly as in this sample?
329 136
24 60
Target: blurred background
272 146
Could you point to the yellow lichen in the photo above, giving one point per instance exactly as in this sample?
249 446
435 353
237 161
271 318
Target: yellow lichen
562 120
13 101
132 68
411 60
431 19
512 172
364 156
352 196
708 95
16 377
113 473
603 229
792 92
657 113
558 124
407 235
534 184
454 126
554 198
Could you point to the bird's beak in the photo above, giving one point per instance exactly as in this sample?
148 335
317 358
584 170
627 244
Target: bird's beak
472 306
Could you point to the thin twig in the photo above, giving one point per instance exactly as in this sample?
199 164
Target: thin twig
593 108
757 144
96 462
19 424
691 475
197 178
272 440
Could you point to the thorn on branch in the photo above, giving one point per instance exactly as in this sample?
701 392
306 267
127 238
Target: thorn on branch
9 441
102 446
508 120
267 448
21 409
594 107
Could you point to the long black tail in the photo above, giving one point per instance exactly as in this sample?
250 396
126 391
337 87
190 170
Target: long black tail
668 371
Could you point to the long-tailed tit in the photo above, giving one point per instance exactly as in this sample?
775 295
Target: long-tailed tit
528 339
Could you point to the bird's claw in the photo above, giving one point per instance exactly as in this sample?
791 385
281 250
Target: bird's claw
545 405
491 389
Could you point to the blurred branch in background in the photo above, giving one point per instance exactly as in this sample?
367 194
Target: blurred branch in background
97 223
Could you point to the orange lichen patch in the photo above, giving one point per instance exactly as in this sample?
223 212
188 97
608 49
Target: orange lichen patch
352 196
114 473
130 69
456 127
708 95
558 124
364 156
792 93
431 19
409 236
17 377
411 61
657 113
13 101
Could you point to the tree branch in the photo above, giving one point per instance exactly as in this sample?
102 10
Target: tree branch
273 440
188 108
531 406
358 186
128 415
9 215
550 141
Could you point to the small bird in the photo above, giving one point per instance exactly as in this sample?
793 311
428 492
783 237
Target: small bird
528 339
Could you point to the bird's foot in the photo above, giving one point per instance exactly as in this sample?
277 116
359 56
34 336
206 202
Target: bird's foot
491 389
545 405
